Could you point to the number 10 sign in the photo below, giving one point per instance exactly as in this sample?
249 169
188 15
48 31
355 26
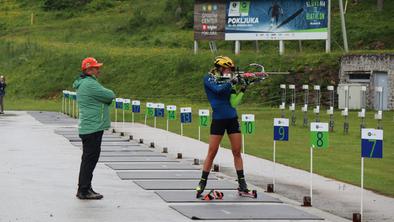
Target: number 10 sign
281 129
248 125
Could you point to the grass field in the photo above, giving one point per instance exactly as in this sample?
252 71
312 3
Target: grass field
340 161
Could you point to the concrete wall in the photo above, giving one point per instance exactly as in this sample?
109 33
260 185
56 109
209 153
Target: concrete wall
383 62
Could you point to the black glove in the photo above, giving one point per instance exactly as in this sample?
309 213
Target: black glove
243 88
234 80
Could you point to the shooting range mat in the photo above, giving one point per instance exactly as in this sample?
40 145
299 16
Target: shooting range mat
243 212
135 159
187 196
185 184
151 166
163 175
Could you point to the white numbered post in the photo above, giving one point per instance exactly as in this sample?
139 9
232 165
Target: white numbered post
371 147
148 106
248 127
203 114
319 139
281 133
170 114
118 105
135 106
186 113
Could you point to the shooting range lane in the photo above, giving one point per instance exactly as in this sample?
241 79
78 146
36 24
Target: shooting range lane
52 118
151 166
175 181
163 175
189 196
243 212
184 184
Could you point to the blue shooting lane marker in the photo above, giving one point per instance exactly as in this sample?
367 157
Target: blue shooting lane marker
281 129
186 117
136 106
372 143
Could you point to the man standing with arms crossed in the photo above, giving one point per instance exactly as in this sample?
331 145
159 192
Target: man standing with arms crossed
93 102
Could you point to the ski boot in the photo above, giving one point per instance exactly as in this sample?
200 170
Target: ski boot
243 191
200 188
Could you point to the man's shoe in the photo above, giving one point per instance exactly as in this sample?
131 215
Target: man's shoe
94 192
89 195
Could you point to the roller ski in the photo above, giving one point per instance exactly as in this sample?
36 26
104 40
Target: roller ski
243 190
213 195
247 193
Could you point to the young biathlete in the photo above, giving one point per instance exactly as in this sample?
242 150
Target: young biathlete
223 97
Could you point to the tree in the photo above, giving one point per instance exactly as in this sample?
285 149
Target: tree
380 5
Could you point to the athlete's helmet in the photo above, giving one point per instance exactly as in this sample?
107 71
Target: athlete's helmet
225 62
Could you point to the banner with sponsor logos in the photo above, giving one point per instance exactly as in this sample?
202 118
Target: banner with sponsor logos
261 19
209 19
276 20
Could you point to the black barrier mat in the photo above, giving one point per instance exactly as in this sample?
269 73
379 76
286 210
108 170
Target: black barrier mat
104 139
131 154
162 175
135 159
104 143
187 196
185 184
243 212
52 118
125 149
151 166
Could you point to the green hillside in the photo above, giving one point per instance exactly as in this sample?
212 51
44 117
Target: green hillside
147 47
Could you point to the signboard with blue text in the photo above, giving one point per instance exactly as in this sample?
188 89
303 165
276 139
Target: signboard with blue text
277 20
372 143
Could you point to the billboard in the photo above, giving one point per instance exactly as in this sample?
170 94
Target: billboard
276 20
209 19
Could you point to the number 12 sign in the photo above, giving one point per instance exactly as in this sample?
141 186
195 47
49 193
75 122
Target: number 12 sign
319 135
203 115
281 129
372 143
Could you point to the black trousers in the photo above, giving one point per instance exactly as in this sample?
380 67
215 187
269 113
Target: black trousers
90 155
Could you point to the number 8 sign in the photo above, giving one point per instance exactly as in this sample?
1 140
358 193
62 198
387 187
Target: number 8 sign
319 135
248 125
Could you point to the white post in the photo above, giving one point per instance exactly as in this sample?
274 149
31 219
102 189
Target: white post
199 133
345 45
167 124
281 47
63 103
145 119
132 118
362 188
155 122
123 117
328 41
116 117
69 106
311 184
73 113
195 47
181 129
237 47
274 160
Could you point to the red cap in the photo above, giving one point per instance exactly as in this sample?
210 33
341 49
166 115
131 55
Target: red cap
90 62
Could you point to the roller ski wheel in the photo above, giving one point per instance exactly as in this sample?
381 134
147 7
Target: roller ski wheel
247 193
213 195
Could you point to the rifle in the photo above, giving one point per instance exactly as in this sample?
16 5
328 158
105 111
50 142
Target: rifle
249 78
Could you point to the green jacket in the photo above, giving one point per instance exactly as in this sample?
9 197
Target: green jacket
93 102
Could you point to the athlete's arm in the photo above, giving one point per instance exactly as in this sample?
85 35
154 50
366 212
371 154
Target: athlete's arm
217 88
236 98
